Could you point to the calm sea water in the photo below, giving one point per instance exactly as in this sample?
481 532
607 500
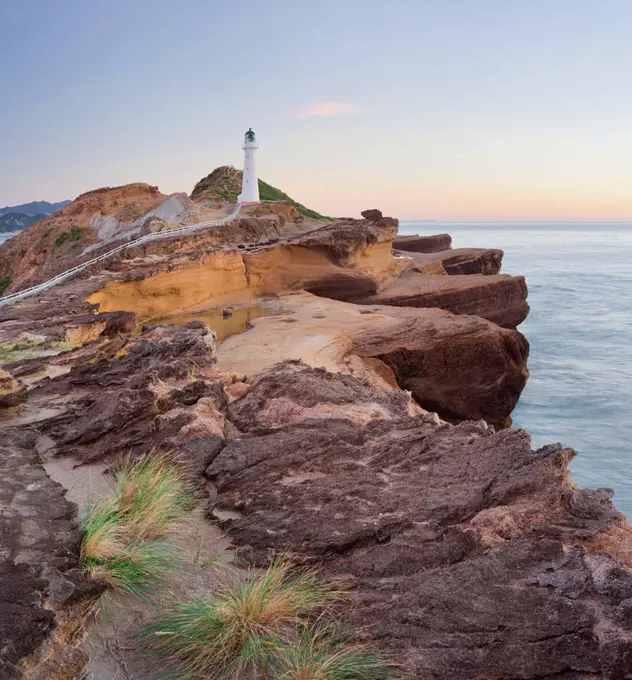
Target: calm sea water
580 330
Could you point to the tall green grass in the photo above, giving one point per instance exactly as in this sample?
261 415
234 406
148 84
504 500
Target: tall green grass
267 625
241 628
124 542
321 654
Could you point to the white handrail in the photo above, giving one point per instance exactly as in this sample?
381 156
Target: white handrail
34 290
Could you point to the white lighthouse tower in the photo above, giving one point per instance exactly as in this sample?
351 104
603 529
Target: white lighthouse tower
249 184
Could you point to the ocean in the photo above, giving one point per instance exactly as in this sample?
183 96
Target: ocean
580 329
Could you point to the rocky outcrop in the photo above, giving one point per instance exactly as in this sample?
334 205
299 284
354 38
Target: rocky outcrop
423 244
459 366
464 551
163 384
81 329
344 260
372 215
462 367
501 299
457 262
360 437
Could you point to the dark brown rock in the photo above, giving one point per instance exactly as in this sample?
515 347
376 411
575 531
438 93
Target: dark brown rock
462 367
343 285
372 215
457 261
345 239
501 299
461 553
423 244
138 401
39 584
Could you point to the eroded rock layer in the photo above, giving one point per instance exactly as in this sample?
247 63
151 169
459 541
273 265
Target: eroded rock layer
501 299
463 549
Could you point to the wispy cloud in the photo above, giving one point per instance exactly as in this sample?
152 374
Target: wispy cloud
328 109
565 142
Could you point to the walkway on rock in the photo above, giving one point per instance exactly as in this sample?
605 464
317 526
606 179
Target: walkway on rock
34 290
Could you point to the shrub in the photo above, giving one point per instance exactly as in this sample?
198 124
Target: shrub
242 627
75 234
5 282
124 536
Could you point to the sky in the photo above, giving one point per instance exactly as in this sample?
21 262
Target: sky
448 110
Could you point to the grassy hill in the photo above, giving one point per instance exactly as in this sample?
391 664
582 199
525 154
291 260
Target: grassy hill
224 184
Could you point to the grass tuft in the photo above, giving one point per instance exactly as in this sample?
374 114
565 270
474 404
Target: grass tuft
243 627
321 655
124 536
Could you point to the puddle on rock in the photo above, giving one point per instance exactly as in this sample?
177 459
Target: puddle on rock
234 323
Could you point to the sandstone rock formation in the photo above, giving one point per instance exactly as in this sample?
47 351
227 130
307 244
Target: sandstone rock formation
423 244
457 261
501 298
462 367
372 215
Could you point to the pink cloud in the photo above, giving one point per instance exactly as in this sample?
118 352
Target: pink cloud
328 109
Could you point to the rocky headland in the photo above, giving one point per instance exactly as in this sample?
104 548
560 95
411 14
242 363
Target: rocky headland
357 414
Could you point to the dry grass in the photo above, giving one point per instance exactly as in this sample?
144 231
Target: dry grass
124 542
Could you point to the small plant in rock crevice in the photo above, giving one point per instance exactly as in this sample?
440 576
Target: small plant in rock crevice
125 536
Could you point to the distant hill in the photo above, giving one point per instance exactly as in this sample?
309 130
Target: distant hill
17 222
34 208
224 184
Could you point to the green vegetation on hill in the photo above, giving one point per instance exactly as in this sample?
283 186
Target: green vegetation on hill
270 193
75 234
224 183
5 282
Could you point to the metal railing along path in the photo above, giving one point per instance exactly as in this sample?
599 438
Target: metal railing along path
34 290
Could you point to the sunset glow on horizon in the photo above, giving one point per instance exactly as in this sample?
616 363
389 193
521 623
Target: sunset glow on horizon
446 111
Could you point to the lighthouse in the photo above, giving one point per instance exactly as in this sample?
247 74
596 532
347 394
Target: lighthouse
249 183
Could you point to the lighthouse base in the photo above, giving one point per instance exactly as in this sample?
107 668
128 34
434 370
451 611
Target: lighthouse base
241 201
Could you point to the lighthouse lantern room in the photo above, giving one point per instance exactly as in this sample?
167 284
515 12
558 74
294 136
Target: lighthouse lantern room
250 183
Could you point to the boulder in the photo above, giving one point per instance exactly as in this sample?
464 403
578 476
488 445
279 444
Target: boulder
163 385
462 367
499 298
372 215
152 225
423 244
